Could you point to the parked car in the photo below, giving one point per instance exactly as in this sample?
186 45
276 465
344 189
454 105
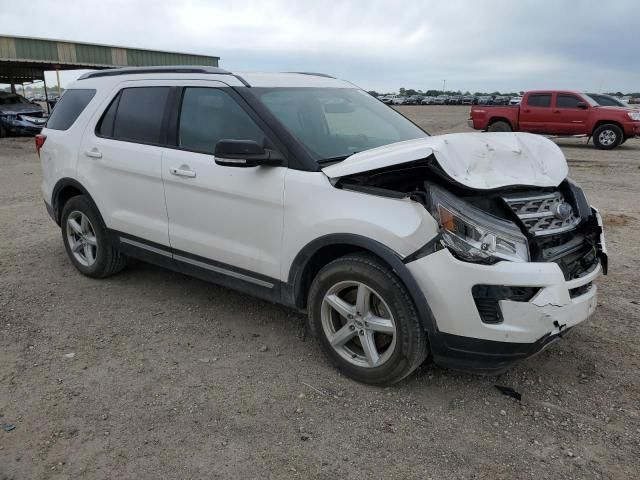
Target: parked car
455 100
468 100
515 100
501 100
484 100
414 100
562 113
19 116
470 249
441 100
428 100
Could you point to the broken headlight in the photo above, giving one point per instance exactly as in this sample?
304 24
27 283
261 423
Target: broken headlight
474 235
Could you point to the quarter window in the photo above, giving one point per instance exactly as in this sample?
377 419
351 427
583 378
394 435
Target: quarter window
69 108
208 115
135 115
567 101
539 100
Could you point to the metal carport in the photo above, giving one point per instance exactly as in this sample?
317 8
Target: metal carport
24 59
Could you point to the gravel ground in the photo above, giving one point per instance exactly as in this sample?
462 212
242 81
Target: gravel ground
151 374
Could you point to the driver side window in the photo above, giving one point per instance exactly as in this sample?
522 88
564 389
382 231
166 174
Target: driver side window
208 115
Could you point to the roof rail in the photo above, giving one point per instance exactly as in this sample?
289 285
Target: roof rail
160 69
315 74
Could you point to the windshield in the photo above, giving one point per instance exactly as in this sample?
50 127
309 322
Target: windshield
605 100
334 123
12 99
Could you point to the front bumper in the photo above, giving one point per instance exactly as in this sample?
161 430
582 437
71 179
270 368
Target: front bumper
463 341
22 127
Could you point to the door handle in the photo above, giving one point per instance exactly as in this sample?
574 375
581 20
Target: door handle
93 153
183 171
556 111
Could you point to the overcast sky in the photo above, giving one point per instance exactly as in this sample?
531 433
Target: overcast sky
383 45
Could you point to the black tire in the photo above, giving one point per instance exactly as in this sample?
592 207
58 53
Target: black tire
607 136
411 345
3 132
108 260
499 126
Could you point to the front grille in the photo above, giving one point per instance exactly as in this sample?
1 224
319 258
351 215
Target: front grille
487 297
543 214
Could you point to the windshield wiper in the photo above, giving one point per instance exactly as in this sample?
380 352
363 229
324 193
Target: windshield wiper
335 159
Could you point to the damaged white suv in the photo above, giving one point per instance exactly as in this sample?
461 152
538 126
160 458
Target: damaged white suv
474 250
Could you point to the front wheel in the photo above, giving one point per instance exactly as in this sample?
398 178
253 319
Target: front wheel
365 320
607 137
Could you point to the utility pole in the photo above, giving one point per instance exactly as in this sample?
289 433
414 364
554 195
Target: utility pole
444 84
58 79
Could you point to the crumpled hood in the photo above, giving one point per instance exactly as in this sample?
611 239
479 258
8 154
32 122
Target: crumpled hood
478 160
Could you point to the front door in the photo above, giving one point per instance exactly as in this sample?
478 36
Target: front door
570 114
225 219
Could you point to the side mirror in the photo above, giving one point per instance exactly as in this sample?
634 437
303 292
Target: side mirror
244 153
582 105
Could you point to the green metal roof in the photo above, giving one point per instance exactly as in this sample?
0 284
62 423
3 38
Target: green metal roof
25 59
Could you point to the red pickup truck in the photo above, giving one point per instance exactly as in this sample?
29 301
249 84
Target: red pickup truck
556 112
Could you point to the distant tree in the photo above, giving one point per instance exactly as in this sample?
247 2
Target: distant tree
410 92
373 93
402 91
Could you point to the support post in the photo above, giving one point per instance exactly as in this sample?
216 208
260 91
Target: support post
46 95
58 78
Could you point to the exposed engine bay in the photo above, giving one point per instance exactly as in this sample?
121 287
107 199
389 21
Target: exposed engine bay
557 222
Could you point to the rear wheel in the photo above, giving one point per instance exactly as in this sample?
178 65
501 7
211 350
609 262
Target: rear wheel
365 320
499 126
3 132
86 240
607 137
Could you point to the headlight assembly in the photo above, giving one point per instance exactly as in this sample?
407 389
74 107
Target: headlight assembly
474 235
635 116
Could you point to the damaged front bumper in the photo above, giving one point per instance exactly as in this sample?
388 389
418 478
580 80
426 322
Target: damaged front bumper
464 339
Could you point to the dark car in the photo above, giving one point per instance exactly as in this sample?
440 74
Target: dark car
455 100
19 116
469 100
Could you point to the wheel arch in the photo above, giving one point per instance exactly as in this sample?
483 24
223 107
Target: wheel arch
67 188
493 120
600 123
319 252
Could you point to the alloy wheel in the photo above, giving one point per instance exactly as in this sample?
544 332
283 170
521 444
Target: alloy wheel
358 324
607 137
81 238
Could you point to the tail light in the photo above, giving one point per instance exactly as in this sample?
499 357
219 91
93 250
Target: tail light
40 139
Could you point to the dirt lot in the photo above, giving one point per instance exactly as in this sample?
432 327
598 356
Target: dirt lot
170 377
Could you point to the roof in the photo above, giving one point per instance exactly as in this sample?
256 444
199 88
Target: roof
24 59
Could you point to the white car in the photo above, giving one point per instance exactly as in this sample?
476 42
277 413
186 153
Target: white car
515 100
396 99
473 250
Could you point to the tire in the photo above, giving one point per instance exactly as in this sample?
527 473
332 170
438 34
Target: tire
607 136
95 256
3 132
388 308
499 126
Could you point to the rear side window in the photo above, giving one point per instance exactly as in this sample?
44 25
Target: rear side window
567 101
539 100
135 115
69 108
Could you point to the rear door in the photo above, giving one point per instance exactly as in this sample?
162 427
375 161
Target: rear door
120 160
570 114
225 220
535 113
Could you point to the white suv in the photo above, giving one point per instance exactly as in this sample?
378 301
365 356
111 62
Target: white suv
472 249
